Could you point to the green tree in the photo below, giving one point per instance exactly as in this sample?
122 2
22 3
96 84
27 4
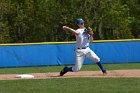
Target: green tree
134 14
5 8
112 20
42 20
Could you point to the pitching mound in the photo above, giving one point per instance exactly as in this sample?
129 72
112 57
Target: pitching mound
135 73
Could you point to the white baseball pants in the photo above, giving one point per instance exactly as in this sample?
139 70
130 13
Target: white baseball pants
80 57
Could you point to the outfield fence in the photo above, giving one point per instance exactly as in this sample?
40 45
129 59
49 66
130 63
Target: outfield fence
63 53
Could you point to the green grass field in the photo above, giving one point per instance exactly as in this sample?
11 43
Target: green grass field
43 69
71 85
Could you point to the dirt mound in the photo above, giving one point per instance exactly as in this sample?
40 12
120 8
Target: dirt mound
135 73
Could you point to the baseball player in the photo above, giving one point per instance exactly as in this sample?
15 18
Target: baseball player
83 38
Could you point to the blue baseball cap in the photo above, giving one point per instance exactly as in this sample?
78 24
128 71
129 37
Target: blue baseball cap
79 21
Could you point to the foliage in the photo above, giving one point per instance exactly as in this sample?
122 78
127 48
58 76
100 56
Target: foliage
42 20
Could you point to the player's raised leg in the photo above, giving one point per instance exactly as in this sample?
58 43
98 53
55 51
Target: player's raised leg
91 55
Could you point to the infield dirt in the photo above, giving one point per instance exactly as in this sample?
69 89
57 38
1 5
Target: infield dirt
135 73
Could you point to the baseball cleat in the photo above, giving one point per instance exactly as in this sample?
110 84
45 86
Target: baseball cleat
104 72
64 71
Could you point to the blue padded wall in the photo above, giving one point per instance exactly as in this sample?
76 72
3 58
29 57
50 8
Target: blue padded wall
63 54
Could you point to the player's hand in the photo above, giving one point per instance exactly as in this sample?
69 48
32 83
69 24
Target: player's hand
65 28
71 30
89 31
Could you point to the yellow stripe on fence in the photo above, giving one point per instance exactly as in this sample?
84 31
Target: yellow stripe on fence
68 42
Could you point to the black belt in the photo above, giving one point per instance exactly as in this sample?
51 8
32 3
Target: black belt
82 48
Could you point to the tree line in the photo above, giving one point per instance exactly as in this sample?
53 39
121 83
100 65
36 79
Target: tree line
42 20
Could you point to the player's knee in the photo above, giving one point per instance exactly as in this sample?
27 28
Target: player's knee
97 59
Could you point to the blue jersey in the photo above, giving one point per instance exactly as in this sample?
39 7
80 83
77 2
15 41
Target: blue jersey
83 39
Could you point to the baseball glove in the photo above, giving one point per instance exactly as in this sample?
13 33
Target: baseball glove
89 31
